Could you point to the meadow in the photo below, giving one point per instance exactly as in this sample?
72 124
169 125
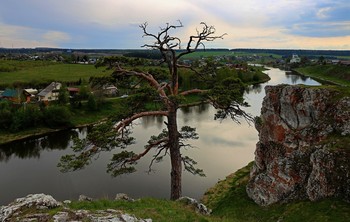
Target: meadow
337 74
36 72
213 53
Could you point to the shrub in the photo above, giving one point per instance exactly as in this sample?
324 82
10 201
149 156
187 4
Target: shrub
5 115
91 103
57 116
26 117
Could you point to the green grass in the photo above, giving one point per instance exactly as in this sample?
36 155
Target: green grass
229 201
343 57
41 72
213 53
156 209
209 53
337 74
111 106
6 136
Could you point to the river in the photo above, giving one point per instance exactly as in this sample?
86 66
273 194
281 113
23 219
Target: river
30 166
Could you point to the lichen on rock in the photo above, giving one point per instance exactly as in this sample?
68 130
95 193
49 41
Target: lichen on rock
38 201
294 158
18 211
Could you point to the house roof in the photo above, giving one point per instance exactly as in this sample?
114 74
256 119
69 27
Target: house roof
71 89
9 93
31 91
49 88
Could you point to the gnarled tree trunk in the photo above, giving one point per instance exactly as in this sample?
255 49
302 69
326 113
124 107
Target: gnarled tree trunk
175 155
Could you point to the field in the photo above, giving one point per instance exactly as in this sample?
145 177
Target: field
42 72
209 53
333 73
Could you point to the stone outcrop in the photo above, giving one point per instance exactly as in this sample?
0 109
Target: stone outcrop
18 211
34 207
38 201
303 150
198 207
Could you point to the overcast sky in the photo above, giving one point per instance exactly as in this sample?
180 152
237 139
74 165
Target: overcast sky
301 24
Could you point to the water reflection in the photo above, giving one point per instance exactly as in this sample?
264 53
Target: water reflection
152 121
256 89
222 148
296 78
31 148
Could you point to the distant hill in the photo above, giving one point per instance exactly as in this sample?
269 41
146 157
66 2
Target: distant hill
154 54
300 52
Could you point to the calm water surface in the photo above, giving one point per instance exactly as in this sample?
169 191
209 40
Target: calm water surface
222 148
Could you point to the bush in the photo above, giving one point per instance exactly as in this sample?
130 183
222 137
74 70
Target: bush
57 116
5 115
92 103
26 117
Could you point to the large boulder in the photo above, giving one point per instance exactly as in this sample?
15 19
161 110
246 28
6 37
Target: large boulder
18 211
38 201
301 152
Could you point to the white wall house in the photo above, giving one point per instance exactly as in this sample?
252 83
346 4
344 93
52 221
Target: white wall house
295 59
50 93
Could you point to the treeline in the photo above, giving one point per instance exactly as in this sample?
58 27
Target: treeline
66 50
16 118
154 54
38 84
300 52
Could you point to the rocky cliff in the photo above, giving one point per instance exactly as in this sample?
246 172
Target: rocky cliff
304 145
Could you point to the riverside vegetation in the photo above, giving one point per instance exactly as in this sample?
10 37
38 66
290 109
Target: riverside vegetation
337 74
17 122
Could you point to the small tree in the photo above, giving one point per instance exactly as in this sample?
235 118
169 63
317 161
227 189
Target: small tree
226 96
63 96
91 102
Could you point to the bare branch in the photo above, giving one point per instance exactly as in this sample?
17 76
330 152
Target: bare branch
207 34
146 76
192 91
123 123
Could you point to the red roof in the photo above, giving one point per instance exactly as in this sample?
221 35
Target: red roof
70 89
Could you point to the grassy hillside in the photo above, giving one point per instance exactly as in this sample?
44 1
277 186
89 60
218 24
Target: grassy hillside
229 201
40 71
333 73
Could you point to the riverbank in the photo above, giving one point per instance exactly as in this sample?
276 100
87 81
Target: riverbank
333 74
81 117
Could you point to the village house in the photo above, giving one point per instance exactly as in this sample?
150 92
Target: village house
110 90
13 95
72 91
295 59
344 63
30 94
50 93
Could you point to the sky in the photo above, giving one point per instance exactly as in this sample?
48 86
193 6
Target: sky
114 24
